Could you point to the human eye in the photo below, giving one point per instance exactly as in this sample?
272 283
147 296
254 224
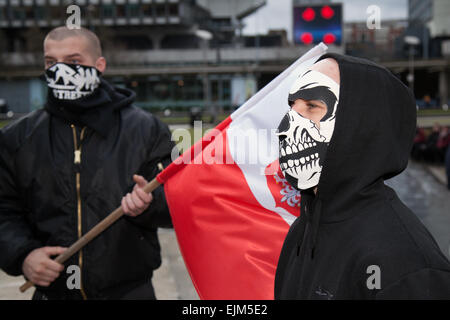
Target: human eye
49 63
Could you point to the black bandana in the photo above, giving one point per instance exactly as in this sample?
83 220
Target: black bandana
71 81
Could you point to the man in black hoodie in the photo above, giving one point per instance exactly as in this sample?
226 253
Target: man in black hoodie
66 167
351 127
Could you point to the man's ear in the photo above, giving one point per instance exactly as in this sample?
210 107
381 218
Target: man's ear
100 64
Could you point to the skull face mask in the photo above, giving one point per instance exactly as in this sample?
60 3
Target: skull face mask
71 81
302 144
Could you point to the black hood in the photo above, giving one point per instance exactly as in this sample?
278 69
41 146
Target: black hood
372 138
98 111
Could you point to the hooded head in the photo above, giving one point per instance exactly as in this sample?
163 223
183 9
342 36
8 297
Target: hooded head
375 121
307 128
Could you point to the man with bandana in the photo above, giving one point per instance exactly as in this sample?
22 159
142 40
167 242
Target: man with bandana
350 127
65 167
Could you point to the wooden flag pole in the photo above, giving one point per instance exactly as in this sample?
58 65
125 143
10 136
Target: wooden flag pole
94 232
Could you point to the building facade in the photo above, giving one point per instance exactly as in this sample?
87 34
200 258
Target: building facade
152 46
429 22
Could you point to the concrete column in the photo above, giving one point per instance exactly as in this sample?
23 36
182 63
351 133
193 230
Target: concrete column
156 39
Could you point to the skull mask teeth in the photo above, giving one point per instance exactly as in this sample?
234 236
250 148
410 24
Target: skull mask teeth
302 144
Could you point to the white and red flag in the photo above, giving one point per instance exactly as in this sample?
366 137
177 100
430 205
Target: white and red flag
230 204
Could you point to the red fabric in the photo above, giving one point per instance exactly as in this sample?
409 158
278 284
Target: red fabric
231 224
420 136
229 242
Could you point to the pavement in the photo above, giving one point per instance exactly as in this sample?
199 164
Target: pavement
438 172
423 188
172 280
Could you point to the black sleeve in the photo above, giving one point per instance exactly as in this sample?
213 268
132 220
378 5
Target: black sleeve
157 214
424 284
16 236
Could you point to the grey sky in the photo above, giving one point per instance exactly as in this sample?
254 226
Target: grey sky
277 14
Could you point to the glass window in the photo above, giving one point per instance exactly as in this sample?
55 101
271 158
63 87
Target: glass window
133 10
173 9
161 90
214 90
160 10
40 13
2 13
147 10
29 13
226 90
120 11
139 86
18 13
55 13
107 11
193 89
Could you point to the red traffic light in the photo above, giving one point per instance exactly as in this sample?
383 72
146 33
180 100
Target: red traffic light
329 38
309 14
307 37
327 12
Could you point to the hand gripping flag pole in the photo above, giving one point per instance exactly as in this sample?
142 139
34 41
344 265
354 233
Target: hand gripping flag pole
94 232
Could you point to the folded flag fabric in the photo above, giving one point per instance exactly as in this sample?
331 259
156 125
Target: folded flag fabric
230 204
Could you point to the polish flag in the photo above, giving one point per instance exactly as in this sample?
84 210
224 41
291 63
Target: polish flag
230 204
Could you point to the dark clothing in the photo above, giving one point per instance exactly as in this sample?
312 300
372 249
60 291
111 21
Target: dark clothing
355 223
418 144
43 204
431 151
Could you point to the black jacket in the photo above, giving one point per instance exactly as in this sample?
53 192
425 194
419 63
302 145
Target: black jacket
355 228
40 204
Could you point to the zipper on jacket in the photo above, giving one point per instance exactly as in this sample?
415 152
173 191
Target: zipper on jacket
77 162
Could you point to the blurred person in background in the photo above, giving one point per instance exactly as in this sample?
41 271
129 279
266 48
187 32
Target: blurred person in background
430 151
418 144
442 143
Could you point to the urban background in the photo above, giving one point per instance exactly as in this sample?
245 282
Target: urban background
183 54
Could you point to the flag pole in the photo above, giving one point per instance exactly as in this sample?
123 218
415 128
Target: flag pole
94 232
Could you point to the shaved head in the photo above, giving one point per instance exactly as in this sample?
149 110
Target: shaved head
62 33
73 46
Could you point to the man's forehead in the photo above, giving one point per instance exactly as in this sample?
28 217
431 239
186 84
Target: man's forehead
68 46
328 67
315 78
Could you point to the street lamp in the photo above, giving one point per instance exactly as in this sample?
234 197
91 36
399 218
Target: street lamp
412 41
205 36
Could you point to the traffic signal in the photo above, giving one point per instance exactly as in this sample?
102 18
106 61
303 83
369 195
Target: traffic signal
318 23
